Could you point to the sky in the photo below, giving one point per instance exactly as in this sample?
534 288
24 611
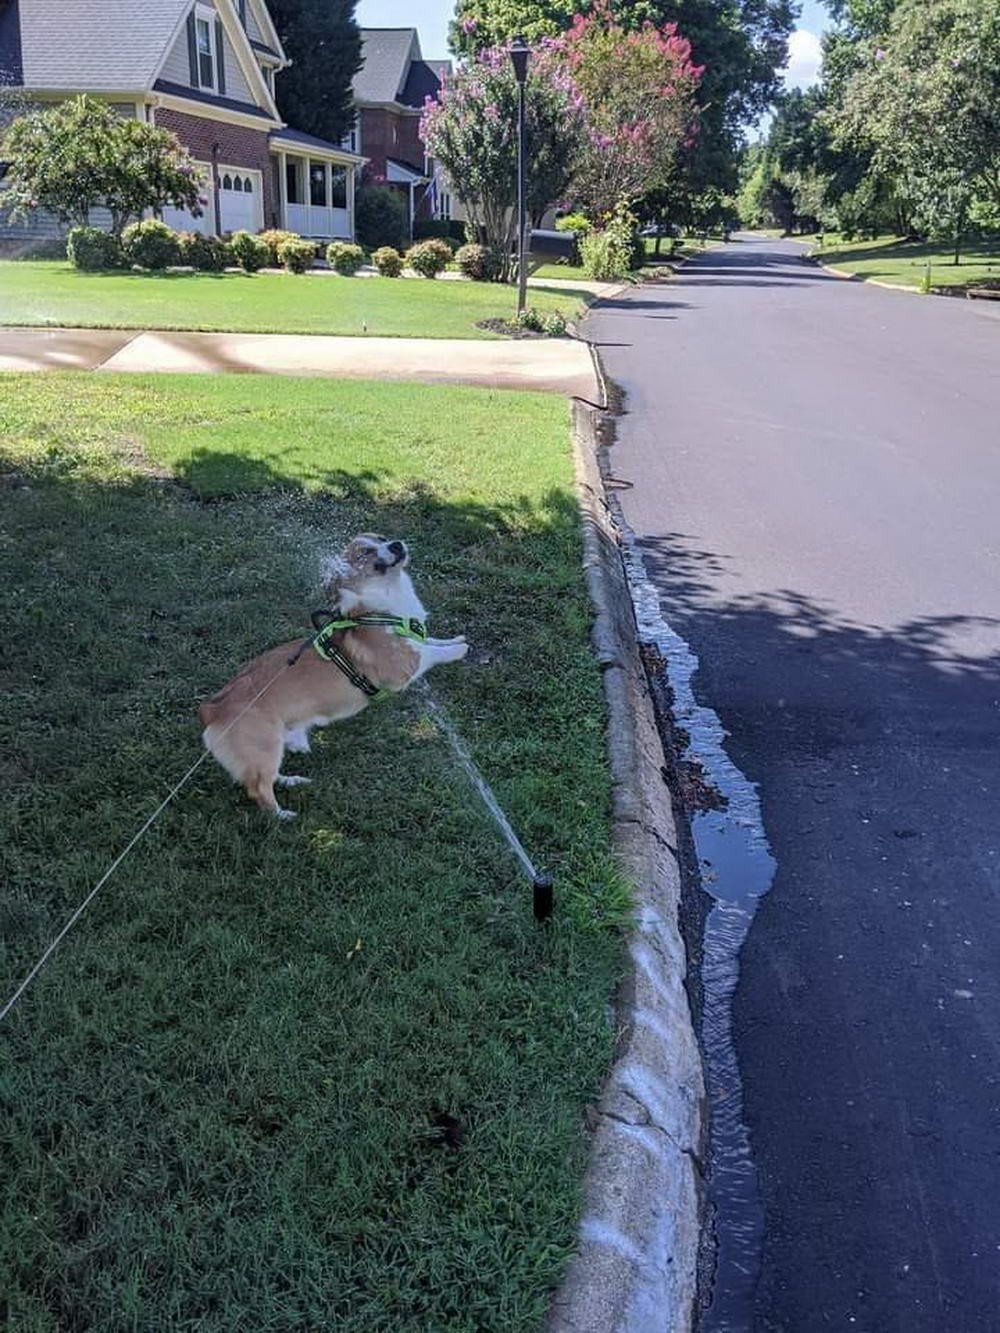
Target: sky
431 17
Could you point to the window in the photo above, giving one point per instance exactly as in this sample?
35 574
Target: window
445 207
247 187
351 142
227 182
292 182
237 184
317 185
205 36
339 183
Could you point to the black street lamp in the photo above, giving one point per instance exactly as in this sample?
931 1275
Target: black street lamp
520 54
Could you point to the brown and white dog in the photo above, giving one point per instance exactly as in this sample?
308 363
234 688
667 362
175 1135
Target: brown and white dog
250 741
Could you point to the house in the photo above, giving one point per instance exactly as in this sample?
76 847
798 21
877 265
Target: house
390 90
206 70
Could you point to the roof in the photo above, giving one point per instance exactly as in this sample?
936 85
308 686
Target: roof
67 45
407 170
422 81
210 99
386 53
264 49
310 141
10 45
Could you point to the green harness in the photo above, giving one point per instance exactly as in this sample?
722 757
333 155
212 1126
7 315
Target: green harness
404 627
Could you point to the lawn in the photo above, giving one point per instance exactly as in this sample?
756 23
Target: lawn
37 292
905 262
327 1074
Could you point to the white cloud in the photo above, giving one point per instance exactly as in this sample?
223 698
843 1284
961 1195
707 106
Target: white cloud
805 56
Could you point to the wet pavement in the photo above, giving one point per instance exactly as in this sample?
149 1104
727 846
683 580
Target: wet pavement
811 469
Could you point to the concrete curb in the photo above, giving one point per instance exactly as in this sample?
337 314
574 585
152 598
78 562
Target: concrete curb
635 1269
858 277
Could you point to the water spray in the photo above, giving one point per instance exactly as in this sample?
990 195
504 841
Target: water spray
541 882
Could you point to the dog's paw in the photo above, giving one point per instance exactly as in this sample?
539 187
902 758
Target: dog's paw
282 813
284 780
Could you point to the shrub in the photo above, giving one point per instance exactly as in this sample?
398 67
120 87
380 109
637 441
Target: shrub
91 249
344 258
273 239
550 322
577 222
608 255
250 252
297 255
479 263
429 258
208 254
440 229
388 261
151 244
380 217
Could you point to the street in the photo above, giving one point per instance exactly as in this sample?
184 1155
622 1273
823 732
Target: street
815 489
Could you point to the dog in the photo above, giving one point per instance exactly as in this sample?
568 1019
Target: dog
248 735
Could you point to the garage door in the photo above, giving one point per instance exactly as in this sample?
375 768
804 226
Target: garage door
181 220
239 199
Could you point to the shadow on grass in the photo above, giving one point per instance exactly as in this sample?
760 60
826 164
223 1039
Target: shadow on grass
224 1096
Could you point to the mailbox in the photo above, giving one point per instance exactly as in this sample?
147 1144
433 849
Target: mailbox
552 245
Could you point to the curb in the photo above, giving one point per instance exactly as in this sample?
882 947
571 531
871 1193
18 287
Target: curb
857 277
635 1268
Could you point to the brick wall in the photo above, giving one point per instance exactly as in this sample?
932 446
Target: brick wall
239 146
390 134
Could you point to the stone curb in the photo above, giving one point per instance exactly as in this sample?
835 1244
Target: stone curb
635 1269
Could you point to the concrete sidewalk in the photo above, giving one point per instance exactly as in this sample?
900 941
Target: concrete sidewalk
561 365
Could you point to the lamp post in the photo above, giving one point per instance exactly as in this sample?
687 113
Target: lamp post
520 53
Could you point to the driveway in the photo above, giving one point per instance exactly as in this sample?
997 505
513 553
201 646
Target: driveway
811 468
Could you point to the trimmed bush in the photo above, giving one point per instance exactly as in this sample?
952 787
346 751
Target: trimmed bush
344 258
250 252
380 217
274 238
208 254
439 229
479 262
297 255
388 262
151 244
429 258
91 249
576 222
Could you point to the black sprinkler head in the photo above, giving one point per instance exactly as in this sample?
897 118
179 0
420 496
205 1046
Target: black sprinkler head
542 897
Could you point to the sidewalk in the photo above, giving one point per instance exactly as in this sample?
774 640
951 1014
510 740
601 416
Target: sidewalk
558 365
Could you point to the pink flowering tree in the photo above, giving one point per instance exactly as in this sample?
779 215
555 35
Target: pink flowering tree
638 90
471 129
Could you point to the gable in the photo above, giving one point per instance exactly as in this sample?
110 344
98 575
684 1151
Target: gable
177 66
95 45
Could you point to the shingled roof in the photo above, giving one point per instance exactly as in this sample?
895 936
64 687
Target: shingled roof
100 45
394 69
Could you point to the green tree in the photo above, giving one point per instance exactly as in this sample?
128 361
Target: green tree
80 155
323 42
926 105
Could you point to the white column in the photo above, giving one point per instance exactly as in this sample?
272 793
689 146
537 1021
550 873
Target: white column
351 175
283 174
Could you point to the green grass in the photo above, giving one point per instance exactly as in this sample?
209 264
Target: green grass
889 259
36 292
320 1075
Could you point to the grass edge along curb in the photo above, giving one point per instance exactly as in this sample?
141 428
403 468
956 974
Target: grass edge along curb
635 1269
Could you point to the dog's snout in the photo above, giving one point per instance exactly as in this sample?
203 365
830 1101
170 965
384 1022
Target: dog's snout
397 548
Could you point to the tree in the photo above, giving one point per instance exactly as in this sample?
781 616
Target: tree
926 105
637 90
471 129
80 155
742 45
323 42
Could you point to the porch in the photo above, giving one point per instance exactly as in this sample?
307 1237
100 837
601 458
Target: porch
315 183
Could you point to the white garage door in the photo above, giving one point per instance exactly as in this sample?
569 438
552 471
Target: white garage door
181 220
239 199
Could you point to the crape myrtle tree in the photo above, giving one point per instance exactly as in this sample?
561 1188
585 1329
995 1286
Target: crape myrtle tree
471 129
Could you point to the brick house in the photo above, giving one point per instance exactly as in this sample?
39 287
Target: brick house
389 92
204 69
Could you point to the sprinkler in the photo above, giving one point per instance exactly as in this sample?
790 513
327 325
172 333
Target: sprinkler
542 896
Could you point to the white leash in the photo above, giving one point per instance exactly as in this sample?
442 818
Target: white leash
54 944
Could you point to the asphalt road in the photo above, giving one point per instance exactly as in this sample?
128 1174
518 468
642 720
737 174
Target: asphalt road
816 489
